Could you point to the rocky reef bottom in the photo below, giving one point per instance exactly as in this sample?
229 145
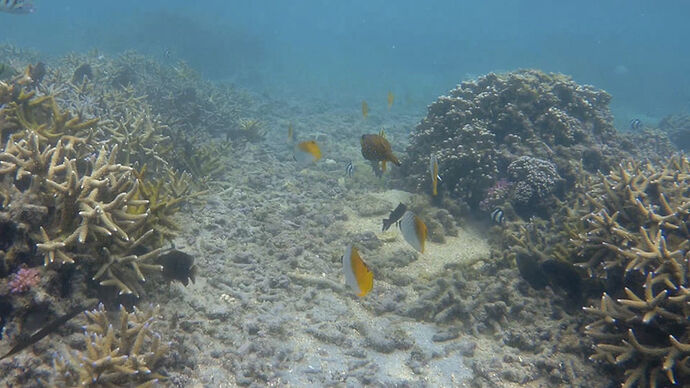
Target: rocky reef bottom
270 308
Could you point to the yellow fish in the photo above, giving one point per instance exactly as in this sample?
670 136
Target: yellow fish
291 134
365 109
307 152
357 274
413 230
391 97
433 170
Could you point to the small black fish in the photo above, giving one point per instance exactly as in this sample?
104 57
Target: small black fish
178 265
395 215
635 124
497 216
349 169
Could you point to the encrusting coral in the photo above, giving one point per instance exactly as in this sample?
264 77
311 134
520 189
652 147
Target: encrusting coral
120 352
638 232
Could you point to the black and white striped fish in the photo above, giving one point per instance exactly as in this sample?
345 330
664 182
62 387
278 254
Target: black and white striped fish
349 169
497 216
635 124
17 6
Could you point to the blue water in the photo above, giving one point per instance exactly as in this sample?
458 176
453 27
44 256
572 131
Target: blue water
346 51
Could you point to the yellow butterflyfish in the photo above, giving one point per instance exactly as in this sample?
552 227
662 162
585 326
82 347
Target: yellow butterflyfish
357 274
307 152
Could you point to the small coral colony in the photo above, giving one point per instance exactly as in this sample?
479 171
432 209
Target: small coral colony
97 159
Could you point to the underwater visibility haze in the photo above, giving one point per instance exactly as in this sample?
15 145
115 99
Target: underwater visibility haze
364 193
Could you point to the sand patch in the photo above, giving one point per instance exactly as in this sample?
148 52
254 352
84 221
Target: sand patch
465 248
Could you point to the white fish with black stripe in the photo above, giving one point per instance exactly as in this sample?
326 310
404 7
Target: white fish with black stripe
17 7
497 216
349 169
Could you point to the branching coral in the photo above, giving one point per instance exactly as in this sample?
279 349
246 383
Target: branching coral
165 198
639 227
120 352
86 209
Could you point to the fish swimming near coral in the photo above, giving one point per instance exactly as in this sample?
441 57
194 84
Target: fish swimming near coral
433 170
635 124
349 169
376 148
178 265
357 274
391 97
365 109
497 216
413 230
395 215
17 7
307 152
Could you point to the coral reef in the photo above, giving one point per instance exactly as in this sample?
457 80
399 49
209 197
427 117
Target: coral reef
677 127
639 233
533 180
482 126
629 230
118 352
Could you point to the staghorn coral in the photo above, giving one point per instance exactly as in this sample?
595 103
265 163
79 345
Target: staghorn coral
85 210
249 130
638 232
165 198
119 352
482 126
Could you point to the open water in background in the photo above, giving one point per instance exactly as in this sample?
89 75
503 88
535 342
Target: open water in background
346 51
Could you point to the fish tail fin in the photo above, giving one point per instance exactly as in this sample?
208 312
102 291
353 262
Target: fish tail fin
386 224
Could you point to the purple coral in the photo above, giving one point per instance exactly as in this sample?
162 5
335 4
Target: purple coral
24 279
495 195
